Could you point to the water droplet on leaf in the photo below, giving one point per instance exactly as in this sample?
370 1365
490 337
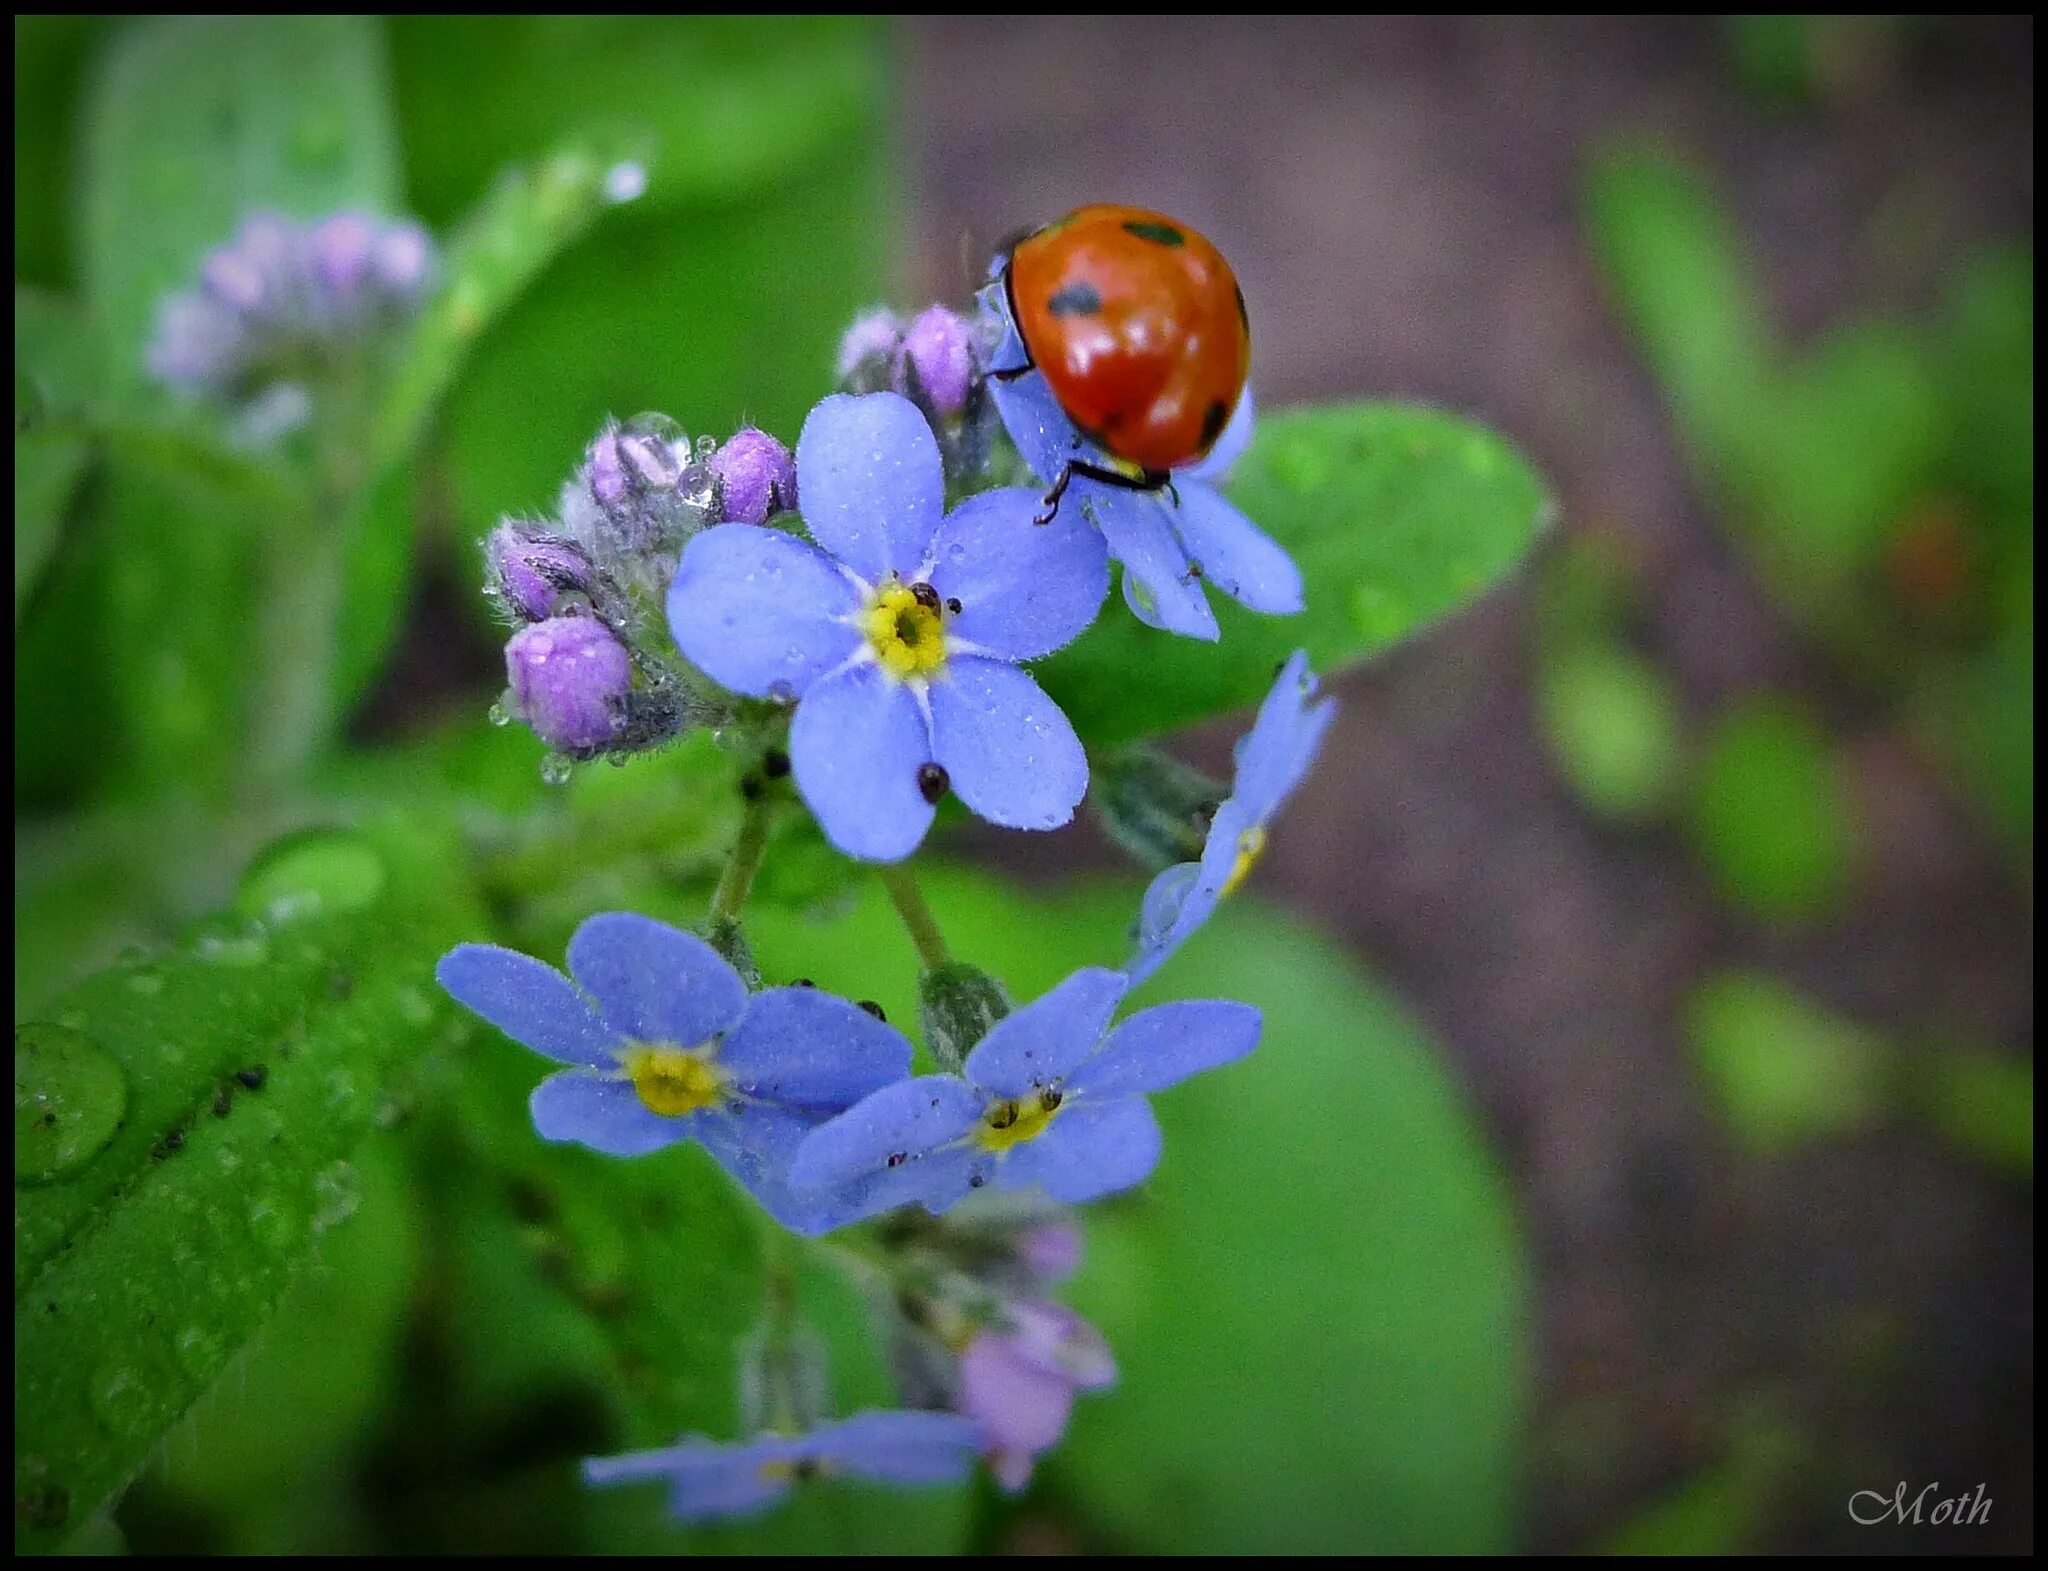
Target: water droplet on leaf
69 1098
316 870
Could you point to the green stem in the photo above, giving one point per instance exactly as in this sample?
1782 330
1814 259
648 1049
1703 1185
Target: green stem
744 862
917 916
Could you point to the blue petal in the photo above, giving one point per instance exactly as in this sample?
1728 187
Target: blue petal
1273 756
653 982
1036 423
1009 752
1217 463
803 1048
901 1448
911 1119
756 1142
758 610
706 1480
1164 1045
1049 1036
605 1114
1024 588
529 1001
1158 585
855 748
1234 555
1090 1149
1176 904
867 469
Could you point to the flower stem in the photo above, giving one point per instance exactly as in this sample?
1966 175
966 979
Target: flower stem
743 863
917 916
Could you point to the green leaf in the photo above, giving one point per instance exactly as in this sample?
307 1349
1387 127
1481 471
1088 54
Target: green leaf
1982 1102
47 468
1782 1069
57 369
192 122
184 1130
1317 1304
1772 818
1613 724
1397 515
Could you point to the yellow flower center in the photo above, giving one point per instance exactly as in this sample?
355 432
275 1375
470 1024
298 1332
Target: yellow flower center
906 628
672 1081
1007 1123
797 1471
1249 845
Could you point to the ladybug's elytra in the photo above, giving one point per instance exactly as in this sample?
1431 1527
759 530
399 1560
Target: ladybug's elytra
1138 326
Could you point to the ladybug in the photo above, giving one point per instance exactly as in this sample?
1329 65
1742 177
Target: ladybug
1138 326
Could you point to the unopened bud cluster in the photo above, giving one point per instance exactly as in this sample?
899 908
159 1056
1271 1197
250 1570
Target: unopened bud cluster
937 359
282 302
591 668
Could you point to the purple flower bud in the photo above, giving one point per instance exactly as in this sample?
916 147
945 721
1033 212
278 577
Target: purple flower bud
402 258
198 342
1051 1251
756 477
875 335
338 254
606 468
940 348
533 571
1017 1381
570 678
652 460
235 281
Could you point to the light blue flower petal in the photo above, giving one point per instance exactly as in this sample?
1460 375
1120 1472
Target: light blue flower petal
855 748
1234 556
1024 588
1049 1036
910 1119
803 1048
707 1481
756 1142
1276 753
757 610
653 982
1089 1150
1164 1045
1175 905
531 1002
867 469
910 1448
606 1115
1217 463
1009 752
1159 587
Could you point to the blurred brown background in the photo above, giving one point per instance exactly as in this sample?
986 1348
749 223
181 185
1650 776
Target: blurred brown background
1400 200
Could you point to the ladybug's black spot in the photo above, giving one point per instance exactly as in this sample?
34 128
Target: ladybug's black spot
932 782
1158 234
1214 418
1078 299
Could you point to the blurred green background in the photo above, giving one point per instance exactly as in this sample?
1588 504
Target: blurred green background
1641 1155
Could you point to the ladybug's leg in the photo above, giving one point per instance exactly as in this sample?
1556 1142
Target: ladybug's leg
1080 468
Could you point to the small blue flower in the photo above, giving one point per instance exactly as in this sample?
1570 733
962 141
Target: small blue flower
1045 1098
1271 759
665 1044
709 1481
898 634
1171 541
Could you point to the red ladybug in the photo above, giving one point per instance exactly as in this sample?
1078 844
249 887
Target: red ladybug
1138 326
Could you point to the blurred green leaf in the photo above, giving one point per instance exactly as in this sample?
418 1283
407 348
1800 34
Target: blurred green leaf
1396 515
1989 361
1727 1509
1613 724
50 58
1980 1101
183 1132
1781 1069
1317 1304
1771 817
57 361
191 122
47 469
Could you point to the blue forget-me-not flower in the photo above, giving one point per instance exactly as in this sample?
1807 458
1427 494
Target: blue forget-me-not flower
708 1480
1170 540
1272 757
663 1043
897 634
1050 1097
